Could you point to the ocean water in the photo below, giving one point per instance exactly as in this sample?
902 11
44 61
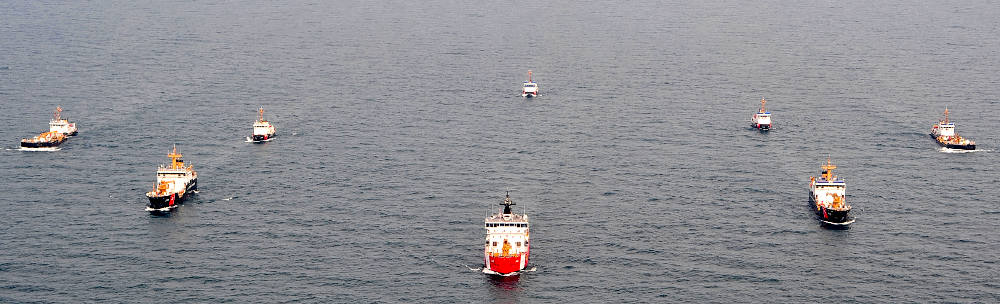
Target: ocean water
400 125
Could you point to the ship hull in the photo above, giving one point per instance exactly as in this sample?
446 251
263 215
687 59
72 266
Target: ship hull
170 201
952 146
261 138
47 144
762 127
507 265
830 216
528 95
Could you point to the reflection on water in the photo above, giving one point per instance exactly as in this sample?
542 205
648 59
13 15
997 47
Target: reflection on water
504 289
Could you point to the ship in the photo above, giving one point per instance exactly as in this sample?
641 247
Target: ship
762 119
529 88
47 140
263 131
827 195
943 132
507 241
174 183
57 124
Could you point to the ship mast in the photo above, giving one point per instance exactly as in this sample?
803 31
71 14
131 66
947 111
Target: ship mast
56 115
507 203
828 170
529 75
260 114
174 156
946 115
762 102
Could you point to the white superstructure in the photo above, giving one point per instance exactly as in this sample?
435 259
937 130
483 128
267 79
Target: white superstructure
762 118
57 124
944 128
263 128
511 229
825 191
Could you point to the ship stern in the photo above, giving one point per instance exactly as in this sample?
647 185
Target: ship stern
164 202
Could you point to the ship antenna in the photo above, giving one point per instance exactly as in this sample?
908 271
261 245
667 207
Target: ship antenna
56 115
507 203
529 75
260 113
828 169
173 157
762 102
945 115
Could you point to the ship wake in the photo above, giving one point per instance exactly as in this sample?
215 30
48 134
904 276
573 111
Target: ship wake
490 272
250 140
49 149
947 150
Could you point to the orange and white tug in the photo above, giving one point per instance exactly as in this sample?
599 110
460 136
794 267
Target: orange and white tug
263 130
762 119
46 141
529 88
59 131
174 183
507 241
827 194
944 134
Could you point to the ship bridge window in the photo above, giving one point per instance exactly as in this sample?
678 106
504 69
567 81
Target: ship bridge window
518 244
522 225
494 243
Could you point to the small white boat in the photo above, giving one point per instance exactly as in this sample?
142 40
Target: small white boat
530 88
762 119
263 130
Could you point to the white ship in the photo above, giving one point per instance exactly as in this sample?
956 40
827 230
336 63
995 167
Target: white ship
174 183
827 193
263 131
529 88
762 119
944 134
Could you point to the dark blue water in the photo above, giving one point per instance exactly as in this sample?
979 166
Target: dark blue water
399 126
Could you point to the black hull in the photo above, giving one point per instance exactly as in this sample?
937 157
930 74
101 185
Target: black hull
529 95
951 146
261 138
72 134
830 216
158 203
761 127
51 144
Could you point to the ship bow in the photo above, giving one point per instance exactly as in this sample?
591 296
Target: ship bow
506 264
